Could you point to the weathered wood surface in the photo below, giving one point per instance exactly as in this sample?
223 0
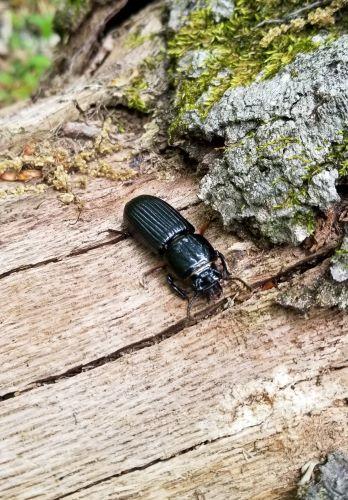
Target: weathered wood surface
233 467
71 294
135 402
20 124
106 390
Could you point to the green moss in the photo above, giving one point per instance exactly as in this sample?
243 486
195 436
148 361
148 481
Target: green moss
341 257
306 219
135 39
152 62
133 95
297 196
337 158
339 155
69 15
240 49
341 252
278 144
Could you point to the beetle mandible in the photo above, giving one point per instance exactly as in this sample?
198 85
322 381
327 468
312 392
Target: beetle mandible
190 256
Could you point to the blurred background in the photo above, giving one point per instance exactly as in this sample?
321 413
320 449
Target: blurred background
27 40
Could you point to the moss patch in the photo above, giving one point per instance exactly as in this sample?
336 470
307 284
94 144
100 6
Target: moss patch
65 171
136 39
336 158
339 155
134 95
260 38
70 15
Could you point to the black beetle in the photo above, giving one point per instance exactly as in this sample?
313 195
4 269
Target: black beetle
160 227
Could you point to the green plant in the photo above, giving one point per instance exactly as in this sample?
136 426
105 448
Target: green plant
133 95
28 56
339 154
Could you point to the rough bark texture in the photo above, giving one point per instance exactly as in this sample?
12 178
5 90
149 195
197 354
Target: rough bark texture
292 131
283 125
107 390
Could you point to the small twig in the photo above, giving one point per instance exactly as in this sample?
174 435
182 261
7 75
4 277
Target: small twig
311 6
78 216
294 14
269 21
79 109
39 205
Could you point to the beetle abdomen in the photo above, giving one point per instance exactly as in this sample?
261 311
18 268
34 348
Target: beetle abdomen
154 222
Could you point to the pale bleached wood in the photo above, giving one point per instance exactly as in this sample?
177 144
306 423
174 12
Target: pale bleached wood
254 368
239 467
44 117
36 229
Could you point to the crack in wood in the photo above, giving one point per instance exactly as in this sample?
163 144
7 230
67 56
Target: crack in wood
193 447
150 464
83 249
29 266
301 266
208 311
53 260
153 462
131 348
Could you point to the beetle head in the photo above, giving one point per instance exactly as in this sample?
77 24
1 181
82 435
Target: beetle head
207 282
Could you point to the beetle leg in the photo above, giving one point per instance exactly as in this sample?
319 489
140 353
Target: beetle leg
115 232
179 291
189 304
225 272
142 280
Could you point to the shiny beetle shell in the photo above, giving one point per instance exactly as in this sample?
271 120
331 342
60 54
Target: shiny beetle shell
154 222
166 232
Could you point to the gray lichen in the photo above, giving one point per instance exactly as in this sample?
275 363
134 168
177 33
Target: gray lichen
339 263
322 292
193 64
276 170
270 81
330 482
180 10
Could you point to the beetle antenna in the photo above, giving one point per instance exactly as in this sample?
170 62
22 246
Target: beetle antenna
189 304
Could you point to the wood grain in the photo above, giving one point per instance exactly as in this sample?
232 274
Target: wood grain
66 304
40 228
106 390
252 370
238 467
